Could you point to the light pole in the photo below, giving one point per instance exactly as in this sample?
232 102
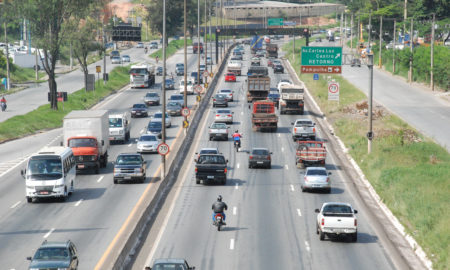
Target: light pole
185 57
210 47
198 41
205 42
370 133
163 120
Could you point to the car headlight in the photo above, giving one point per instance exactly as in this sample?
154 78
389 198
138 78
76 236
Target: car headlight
30 187
59 186
63 268
35 268
137 170
120 131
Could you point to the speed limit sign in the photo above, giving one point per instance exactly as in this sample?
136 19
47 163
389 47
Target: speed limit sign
163 149
198 89
205 73
185 112
333 91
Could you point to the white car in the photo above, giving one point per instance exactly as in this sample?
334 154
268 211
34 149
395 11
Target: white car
227 92
147 143
158 117
189 88
316 178
335 219
223 116
283 82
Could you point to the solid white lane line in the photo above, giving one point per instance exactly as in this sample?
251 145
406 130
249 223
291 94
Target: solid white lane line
231 243
14 205
286 166
100 179
234 210
236 186
307 245
282 149
50 232
292 188
78 203
238 165
299 212
242 113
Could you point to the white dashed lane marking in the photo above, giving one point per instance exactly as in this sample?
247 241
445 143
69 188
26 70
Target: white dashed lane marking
15 205
232 243
78 203
307 245
50 232
292 188
299 212
234 210
286 166
100 179
238 165
236 186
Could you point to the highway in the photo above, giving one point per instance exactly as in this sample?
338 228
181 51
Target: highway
270 222
92 216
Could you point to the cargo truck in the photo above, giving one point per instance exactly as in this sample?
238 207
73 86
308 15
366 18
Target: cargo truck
256 44
235 67
87 133
291 98
142 76
258 88
272 50
264 116
119 127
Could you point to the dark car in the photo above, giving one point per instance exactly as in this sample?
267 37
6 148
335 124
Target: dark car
159 71
139 109
260 157
179 70
170 84
175 264
355 62
114 54
195 77
155 128
270 61
237 55
153 45
274 96
129 167
173 108
210 167
318 39
278 68
220 100
55 255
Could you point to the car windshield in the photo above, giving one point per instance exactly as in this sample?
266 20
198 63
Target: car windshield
220 96
159 115
211 159
303 123
208 151
225 91
140 71
139 106
115 122
219 126
169 81
223 111
173 104
316 172
180 65
169 266
176 97
81 142
125 56
45 168
129 160
260 152
155 124
151 95
51 254
148 138
337 210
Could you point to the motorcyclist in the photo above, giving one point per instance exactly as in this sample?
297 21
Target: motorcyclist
237 137
218 207
3 103
157 58
145 49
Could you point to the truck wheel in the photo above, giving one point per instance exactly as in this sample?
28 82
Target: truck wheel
321 235
354 237
210 138
303 189
97 169
71 188
197 181
224 182
115 181
29 199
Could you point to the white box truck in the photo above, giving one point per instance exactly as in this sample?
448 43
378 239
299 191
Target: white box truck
87 133
119 126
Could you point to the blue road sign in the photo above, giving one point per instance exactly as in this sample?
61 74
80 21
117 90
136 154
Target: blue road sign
316 77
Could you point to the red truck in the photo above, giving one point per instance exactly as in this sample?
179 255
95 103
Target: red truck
310 153
264 116
196 46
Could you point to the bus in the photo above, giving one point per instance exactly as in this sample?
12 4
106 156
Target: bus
50 173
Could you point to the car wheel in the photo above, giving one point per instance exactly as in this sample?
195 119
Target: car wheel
303 189
224 182
328 190
317 229
354 237
269 166
321 235
115 181
29 199
197 181
210 138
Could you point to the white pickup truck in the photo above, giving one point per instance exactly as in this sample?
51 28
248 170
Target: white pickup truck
335 219
303 129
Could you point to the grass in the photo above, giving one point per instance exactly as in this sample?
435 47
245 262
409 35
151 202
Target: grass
408 171
44 117
172 48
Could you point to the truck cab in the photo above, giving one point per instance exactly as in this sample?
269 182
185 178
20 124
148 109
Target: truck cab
119 127
142 76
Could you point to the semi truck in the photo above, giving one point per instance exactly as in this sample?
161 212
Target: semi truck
272 50
258 87
142 75
291 98
264 116
87 133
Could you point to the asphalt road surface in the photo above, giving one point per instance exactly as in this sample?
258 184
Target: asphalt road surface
92 216
270 222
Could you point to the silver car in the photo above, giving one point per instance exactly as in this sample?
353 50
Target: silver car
228 93
116 60
125 58
158 117
147 143
173 109
151 98
224 116
316 178
177 98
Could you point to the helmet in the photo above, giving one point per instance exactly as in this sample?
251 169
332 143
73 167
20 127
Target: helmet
219 199
236 131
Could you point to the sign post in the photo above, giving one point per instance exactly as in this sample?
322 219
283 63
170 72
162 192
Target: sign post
98 69
321 60
333 91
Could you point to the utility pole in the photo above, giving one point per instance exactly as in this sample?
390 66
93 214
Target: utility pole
198 42
185 57
381 41
71 58
351 33
340 28
163 120
104 56
432 53
393 49
206 43
411 37
370 31
405 16
210 38
370 133
8 75
345 30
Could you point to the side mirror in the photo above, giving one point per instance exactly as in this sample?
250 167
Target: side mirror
355 211
317 211
196 153
195 160
29 258
329 173
113 162
145 161
226 161
292 123
22 172
60 143
271 153
314 123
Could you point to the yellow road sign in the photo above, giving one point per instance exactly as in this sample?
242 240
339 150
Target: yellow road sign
185 123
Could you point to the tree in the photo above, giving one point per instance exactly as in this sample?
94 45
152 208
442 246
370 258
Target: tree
48 22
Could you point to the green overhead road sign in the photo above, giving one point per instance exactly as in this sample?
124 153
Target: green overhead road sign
275 22
321 56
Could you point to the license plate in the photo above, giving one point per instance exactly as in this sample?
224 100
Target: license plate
127 177
80 166
210 176
259 162
138 113
111 138
43 192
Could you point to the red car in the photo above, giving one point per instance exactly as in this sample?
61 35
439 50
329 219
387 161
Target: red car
230 77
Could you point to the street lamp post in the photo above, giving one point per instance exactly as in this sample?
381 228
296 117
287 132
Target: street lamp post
163 120
185 57
198 41
370 133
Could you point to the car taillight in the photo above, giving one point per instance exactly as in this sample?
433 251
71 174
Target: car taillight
323 221
229 115
268 157
295 129
217 115
314 130
328 179
356 222
196 169
214 99
210 130
306 179
226 170
251 157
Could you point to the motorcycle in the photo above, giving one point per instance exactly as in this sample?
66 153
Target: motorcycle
237 145
3 105
145 50
218 221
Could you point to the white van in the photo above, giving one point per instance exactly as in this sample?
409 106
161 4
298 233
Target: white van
50 173
189 88
119 127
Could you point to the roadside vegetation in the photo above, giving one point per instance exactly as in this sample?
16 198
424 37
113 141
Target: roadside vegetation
171 49
44 118
408 170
